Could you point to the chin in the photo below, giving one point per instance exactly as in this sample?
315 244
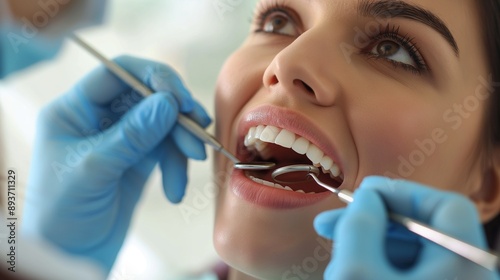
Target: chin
268 242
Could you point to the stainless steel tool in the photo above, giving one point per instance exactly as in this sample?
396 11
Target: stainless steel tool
479 256
186 122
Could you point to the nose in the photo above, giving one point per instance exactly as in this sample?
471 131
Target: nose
304 68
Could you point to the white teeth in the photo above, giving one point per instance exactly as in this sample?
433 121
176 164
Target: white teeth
300 145
269 134
257 180
250 138
258 131
335 171
260 146
264 151
274 185
267 183
314 154
285 138
260 136
326 162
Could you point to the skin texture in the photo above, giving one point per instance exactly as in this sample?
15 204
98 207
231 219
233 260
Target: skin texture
374 114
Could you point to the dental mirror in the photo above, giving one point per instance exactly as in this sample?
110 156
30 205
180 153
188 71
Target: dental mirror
296 173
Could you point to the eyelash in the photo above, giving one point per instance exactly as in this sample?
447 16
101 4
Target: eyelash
391 33
265 10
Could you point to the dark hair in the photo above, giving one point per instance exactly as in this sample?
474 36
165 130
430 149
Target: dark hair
489 11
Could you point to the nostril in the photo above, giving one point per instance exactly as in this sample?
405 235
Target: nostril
301 84
308 88
274 80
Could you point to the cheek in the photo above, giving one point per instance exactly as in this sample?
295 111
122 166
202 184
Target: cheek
386 135
239 80
416 141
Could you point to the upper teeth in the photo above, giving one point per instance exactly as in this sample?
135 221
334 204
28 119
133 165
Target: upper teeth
259 137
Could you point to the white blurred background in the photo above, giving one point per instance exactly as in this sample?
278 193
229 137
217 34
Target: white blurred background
193 36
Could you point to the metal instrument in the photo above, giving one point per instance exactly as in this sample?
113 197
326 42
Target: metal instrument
186 122
479 256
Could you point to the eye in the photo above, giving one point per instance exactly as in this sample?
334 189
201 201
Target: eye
279 23
391 50
399 50
276 19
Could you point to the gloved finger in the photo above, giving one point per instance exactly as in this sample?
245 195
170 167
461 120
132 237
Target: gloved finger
325 222
163 78
360 232
402 246
173 166
458 218
136 178
138 132
406 197
102 87
59 117
188 144
456 215
199 115
450 212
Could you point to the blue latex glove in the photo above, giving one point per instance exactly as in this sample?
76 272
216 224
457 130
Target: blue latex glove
96 147
367 247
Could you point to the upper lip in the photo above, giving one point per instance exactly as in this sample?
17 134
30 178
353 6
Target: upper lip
287 119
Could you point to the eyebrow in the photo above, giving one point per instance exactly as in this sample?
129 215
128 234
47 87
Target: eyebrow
395 9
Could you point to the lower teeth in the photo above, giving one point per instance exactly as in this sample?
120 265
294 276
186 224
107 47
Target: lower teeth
274 185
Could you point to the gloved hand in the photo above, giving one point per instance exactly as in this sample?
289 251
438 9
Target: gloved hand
366 248
96 147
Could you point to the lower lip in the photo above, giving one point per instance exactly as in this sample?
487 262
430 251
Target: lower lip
270 197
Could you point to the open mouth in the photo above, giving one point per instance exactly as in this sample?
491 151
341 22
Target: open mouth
270 143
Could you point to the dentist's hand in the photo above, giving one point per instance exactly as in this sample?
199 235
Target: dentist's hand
96 147
367 246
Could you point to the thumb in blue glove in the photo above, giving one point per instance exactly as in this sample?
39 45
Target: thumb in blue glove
95 148
365 248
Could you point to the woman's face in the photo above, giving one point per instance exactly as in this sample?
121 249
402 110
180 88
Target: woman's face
362 88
